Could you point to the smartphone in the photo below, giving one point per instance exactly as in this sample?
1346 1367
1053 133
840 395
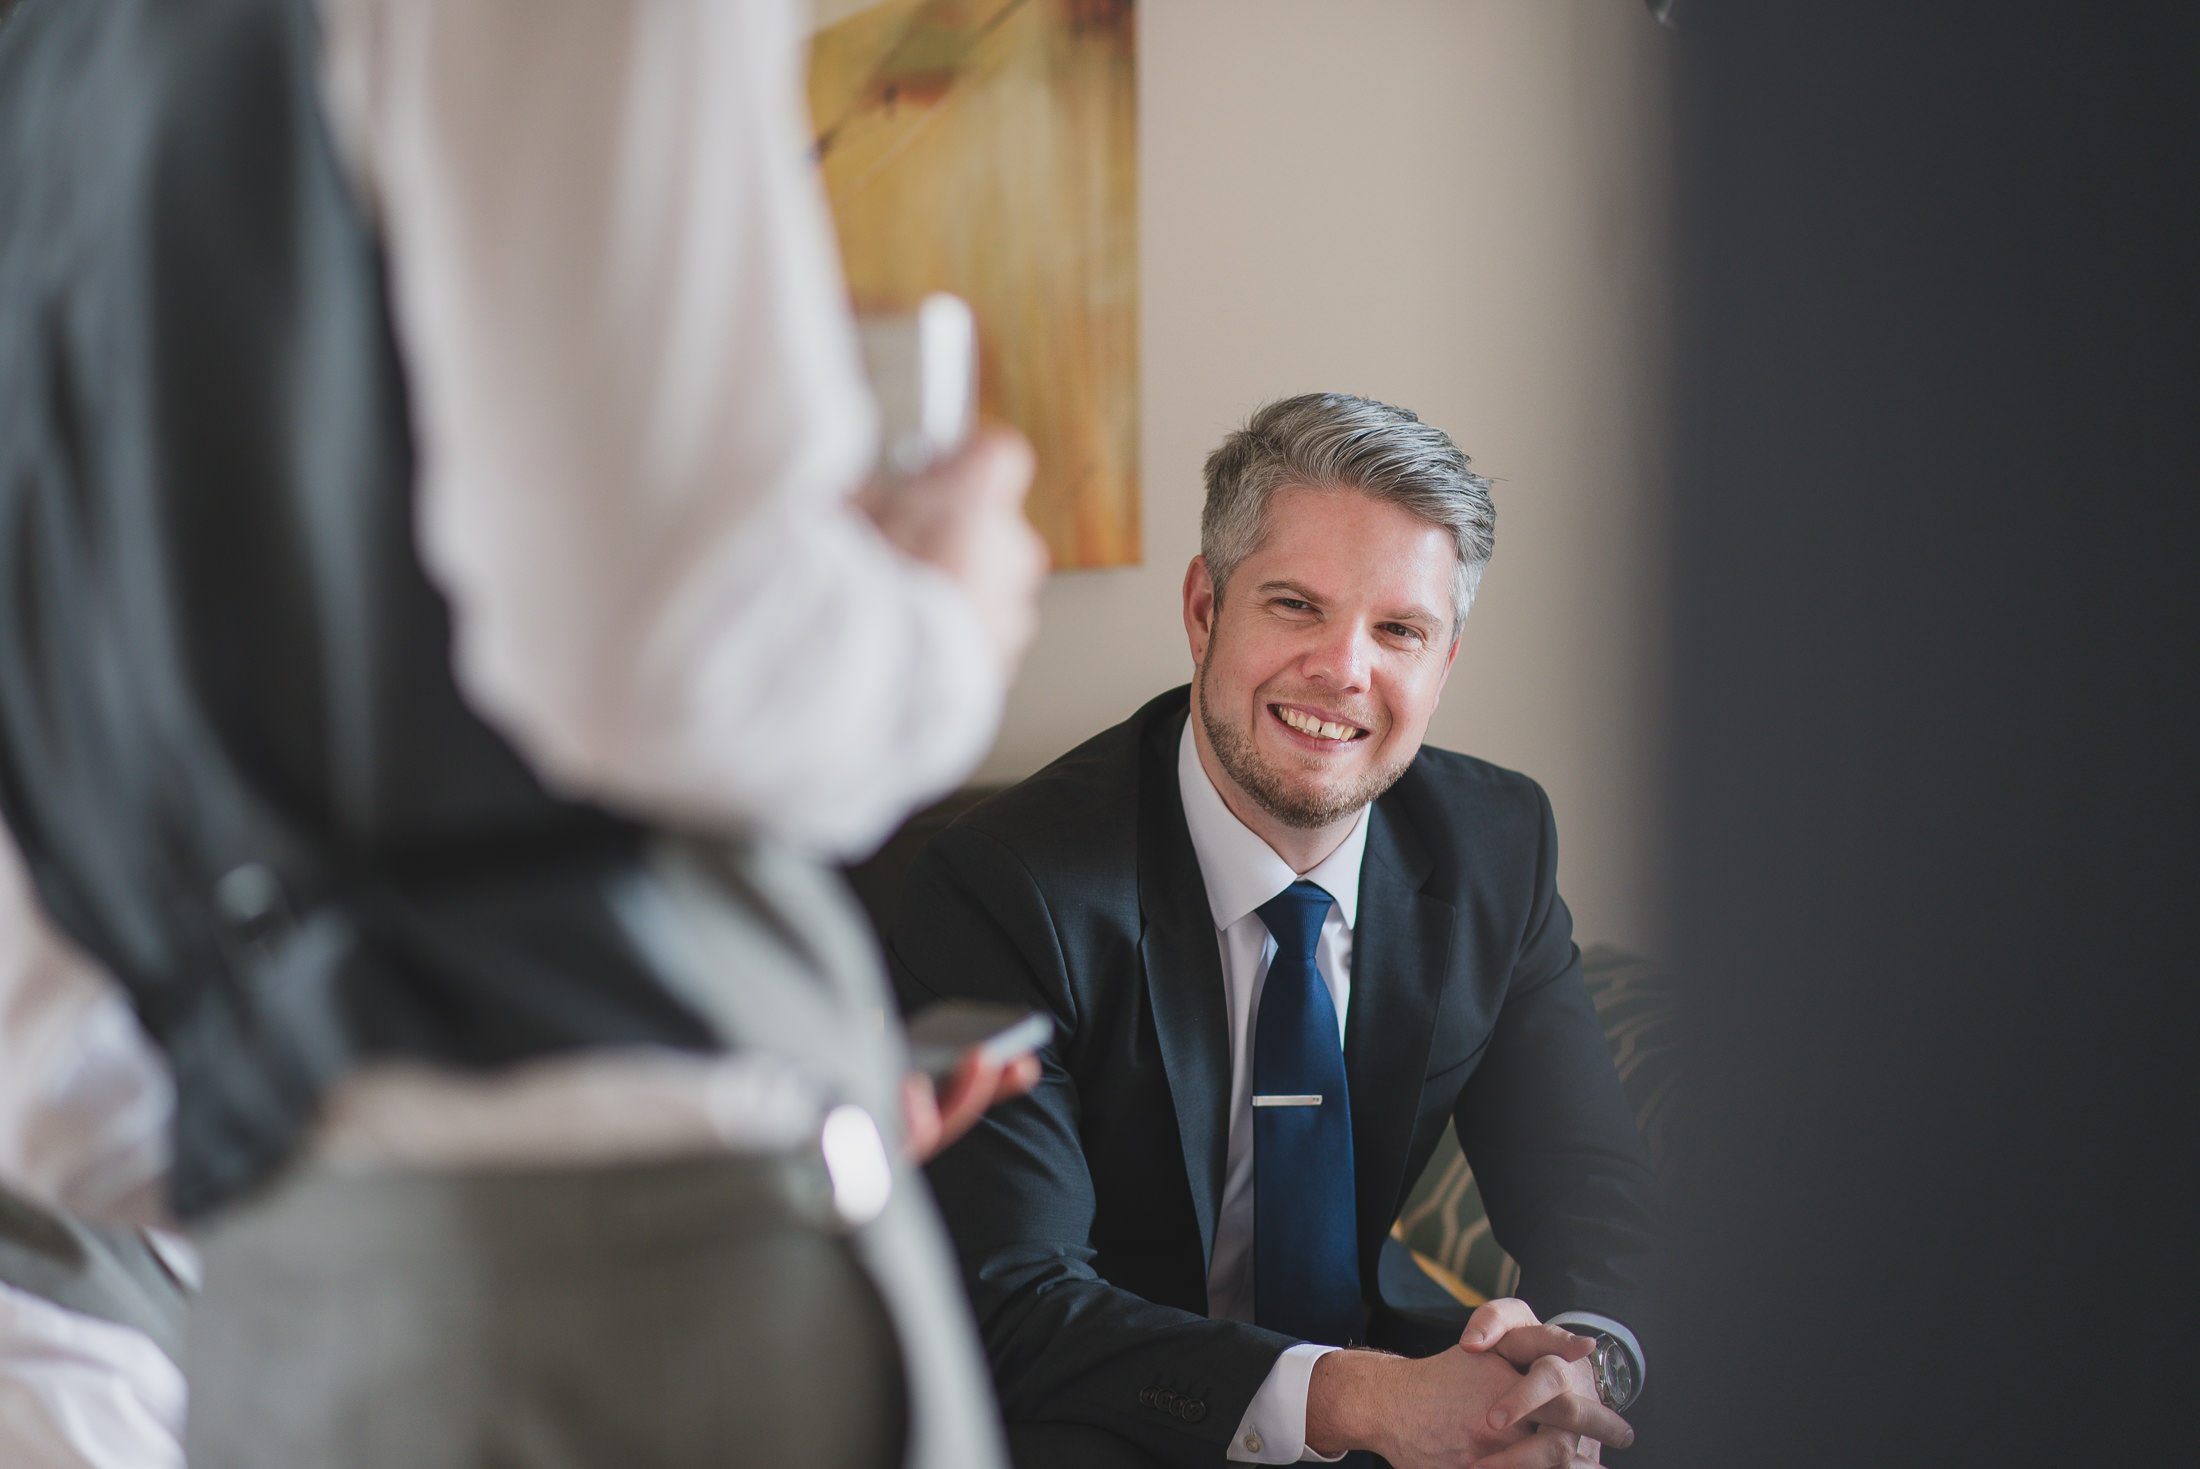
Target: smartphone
940 1034
923 366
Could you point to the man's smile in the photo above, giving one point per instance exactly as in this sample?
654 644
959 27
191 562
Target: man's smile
1314 726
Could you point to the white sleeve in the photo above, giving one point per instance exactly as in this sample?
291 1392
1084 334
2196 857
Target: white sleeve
639 413
1273 1430
85 1098
80 1393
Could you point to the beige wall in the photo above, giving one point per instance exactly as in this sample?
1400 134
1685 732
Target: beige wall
1454 205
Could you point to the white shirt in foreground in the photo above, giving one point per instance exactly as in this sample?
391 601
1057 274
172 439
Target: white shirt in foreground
639 416
84 1097
640 413
1241 872
84 1106
77 1392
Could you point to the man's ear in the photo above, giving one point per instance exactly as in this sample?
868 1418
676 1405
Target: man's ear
1199 608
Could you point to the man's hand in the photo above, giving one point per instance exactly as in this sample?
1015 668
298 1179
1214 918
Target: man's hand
965 515
935 1121
1430 1413
1557 1391
1473 1406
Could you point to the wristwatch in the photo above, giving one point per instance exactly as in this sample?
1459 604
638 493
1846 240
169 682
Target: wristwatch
1614 1365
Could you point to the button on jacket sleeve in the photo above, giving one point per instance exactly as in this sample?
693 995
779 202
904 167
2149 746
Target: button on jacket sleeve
639 411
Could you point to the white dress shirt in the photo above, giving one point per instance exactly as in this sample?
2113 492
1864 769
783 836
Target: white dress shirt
84 1105
77 1392
1241 872
84 1097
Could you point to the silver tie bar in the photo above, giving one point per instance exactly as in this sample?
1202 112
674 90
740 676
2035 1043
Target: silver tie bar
1296 1099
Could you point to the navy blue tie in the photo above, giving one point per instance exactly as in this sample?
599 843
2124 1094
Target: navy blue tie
1306 1266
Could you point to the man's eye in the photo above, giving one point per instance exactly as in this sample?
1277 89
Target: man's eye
1401 630
1293 604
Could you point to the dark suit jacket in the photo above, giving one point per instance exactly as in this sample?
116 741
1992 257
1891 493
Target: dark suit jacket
1085 1213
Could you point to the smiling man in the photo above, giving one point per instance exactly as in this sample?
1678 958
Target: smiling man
1283 943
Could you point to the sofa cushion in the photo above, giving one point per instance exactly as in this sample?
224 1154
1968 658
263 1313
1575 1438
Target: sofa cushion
1443 1223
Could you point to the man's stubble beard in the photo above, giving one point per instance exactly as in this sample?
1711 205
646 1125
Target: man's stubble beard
1301 811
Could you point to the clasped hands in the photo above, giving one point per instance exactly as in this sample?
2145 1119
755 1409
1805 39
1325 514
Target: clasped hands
1514 1394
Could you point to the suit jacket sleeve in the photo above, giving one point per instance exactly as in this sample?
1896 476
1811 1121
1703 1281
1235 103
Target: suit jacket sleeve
1548 1131
1066 1345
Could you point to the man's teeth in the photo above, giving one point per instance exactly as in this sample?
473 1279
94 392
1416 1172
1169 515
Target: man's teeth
1319 728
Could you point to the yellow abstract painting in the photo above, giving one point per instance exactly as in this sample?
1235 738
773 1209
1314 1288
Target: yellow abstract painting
990 148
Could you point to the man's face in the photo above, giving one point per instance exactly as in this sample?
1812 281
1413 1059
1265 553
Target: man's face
1324 659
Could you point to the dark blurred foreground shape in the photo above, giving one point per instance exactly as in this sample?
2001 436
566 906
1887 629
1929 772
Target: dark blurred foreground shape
1934 748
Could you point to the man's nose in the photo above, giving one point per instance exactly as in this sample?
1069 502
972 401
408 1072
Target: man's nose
1340 657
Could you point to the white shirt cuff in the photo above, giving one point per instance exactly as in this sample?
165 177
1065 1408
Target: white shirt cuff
1273 1430
1606 1324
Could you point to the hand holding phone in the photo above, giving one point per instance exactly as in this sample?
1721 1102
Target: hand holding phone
923 366
968 1056
940 1035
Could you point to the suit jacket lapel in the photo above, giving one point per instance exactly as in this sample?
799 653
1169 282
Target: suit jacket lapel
1183 968
1401 949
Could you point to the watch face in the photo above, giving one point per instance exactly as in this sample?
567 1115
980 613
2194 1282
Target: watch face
1619 1371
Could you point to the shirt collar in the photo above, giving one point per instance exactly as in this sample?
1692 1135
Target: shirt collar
1240 870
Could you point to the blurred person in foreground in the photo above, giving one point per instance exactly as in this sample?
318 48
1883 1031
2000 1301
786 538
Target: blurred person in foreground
440 645
1284 943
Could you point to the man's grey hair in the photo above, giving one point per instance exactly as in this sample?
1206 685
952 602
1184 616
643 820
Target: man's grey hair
1321 440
